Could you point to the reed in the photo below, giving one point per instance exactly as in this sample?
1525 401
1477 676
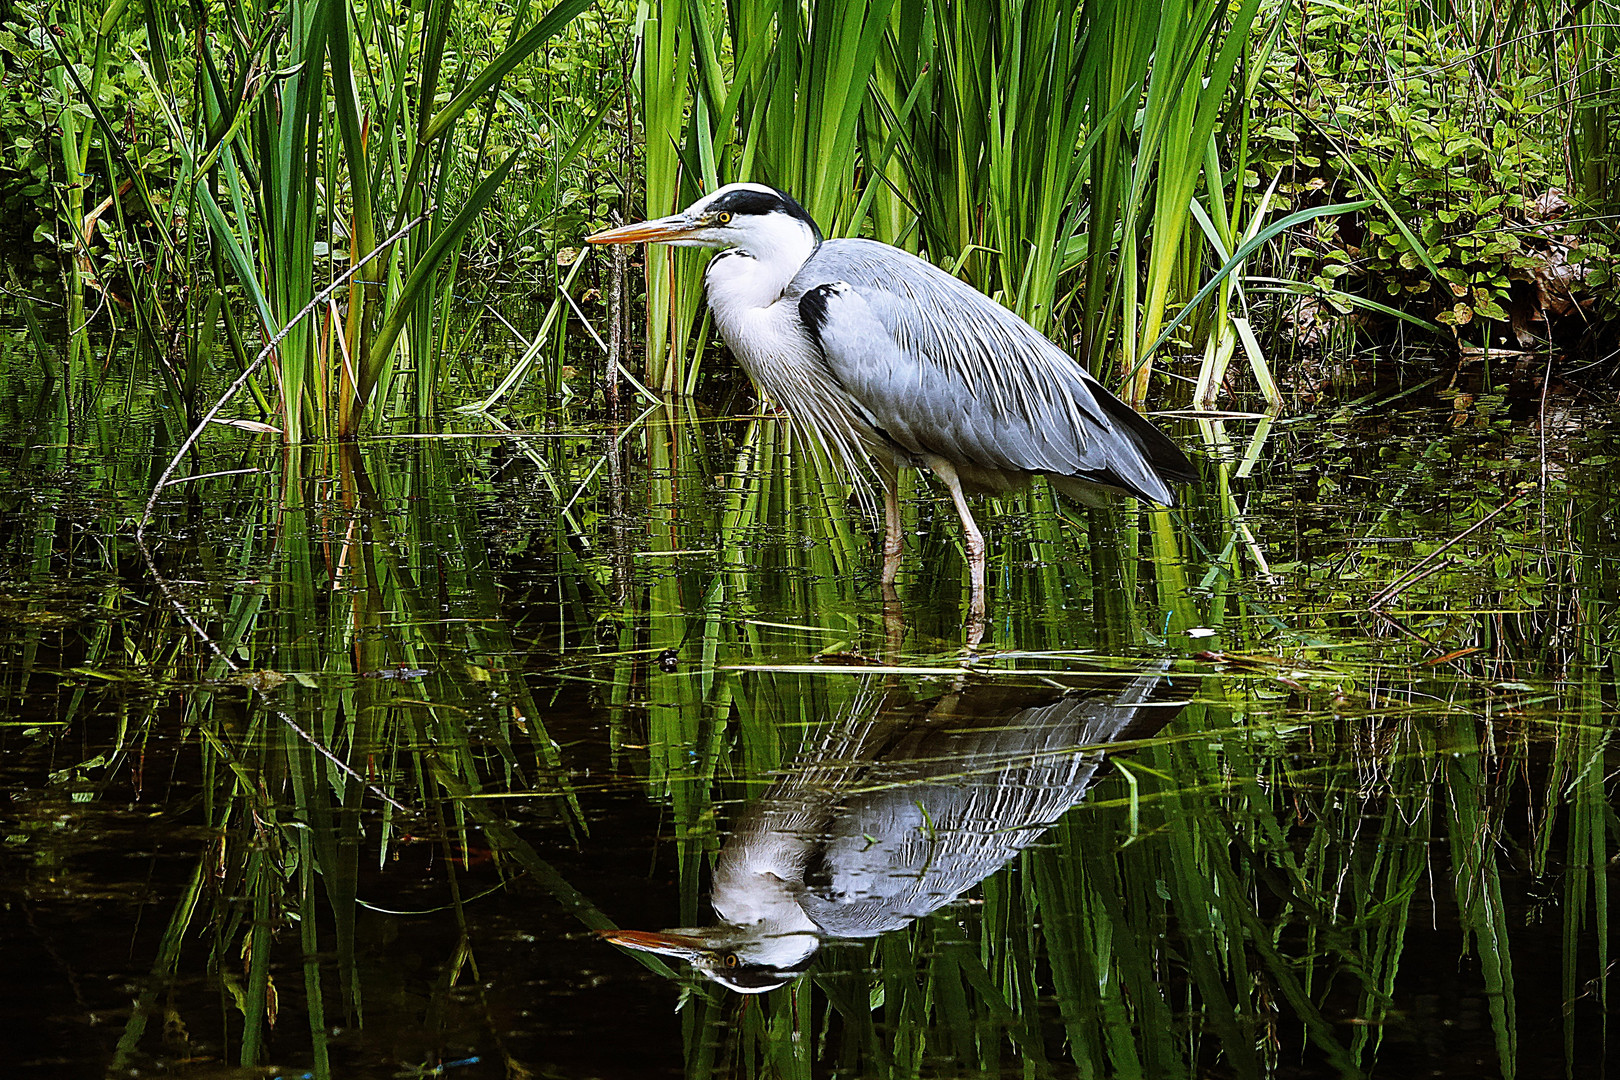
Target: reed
1001 143
1261 888
302 134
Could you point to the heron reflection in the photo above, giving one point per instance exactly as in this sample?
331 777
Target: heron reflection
899 809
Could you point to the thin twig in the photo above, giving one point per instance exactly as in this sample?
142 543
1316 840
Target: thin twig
617 354
163 481
1412 576
210 475
1541 457
247 372
264 698
615 348
621 369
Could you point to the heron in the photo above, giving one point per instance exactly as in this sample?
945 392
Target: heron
897 811
891 363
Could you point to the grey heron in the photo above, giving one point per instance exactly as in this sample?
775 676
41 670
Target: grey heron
896 811
888 360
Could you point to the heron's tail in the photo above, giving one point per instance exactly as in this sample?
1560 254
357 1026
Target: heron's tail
1143 463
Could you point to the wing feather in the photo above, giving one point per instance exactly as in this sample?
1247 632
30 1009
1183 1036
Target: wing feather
943 370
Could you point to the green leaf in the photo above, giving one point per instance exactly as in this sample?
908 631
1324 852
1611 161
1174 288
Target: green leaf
1299 217
421 275
513 55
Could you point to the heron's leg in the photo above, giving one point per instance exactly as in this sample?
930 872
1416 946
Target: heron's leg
973 540
892 540
894 625
894 621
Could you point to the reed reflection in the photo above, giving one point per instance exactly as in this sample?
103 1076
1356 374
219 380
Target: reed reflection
900 808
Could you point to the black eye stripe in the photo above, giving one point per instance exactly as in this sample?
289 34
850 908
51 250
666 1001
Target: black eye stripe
750 202
763 201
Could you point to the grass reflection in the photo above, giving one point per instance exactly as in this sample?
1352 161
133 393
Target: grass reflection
484 694
379 705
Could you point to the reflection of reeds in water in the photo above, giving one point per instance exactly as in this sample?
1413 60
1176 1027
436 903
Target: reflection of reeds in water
1287 889
358 612
1279 928
1265 876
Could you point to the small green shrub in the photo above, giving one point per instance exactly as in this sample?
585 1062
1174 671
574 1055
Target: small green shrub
1466 148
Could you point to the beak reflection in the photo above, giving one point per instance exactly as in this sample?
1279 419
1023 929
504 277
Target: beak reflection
681 944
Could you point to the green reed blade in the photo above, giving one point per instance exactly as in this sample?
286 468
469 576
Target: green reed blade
422 274
1478 885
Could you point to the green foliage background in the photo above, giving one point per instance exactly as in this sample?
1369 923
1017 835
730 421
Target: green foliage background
1094 168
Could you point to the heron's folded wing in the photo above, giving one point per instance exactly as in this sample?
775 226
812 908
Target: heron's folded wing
944 370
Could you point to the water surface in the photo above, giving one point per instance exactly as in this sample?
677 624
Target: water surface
468 697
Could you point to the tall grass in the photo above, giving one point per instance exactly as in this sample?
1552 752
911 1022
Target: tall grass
302 134
1595 32
723 98
1048 153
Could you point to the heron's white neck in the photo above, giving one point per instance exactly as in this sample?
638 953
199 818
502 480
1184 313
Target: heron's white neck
752 275
761 894
759 875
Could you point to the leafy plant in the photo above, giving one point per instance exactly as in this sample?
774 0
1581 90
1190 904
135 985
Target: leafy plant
1458 135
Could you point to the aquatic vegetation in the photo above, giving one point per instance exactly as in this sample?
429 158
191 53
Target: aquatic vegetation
493 690
338 764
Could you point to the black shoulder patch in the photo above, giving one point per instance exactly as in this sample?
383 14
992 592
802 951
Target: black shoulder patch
818 876
813 306
751 201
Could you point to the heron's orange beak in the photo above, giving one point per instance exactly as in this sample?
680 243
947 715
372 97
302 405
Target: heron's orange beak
644 232
684 944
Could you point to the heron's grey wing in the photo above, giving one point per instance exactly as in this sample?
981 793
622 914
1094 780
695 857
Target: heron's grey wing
943 370
905 864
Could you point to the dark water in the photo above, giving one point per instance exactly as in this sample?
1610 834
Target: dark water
466 700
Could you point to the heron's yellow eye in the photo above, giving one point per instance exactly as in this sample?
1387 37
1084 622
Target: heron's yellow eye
731 957
725 219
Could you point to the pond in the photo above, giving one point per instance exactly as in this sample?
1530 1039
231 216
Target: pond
347 771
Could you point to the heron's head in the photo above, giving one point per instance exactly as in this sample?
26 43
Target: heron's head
747 959
751 218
